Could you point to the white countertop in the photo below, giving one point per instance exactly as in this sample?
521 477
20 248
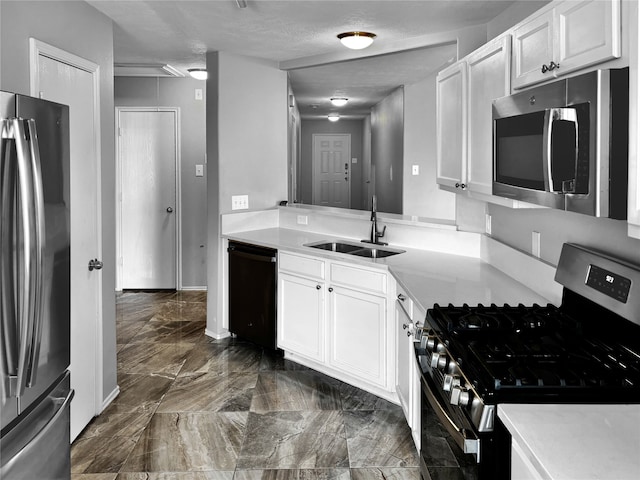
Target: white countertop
577 442
429 277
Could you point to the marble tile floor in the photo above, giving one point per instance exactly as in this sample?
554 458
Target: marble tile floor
194 408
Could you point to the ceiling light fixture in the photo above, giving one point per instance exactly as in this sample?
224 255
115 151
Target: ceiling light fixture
356 40
333 117
198 73
339 101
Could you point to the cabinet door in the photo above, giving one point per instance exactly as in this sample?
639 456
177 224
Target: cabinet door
533 48
451 126
586 33
403 361
301 314
357 334
489 71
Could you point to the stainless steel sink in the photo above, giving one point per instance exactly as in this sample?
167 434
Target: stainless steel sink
355 249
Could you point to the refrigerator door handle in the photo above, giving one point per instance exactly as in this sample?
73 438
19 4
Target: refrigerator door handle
27 270
37 299
7 256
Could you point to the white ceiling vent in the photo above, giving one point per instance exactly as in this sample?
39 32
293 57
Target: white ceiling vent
145 70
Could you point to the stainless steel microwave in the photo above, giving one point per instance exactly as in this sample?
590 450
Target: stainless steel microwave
565 144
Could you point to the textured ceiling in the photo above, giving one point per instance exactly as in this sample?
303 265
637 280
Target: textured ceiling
180 32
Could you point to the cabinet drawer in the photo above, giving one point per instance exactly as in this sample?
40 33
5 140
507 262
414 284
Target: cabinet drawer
309 267
405 302
359 278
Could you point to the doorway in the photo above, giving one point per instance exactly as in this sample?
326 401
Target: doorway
331 175
61 77
148 213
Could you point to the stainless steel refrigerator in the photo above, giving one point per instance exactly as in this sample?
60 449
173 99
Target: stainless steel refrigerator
34 289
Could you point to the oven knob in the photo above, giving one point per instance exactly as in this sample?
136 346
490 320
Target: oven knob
450 381
430 343
459 396
438 360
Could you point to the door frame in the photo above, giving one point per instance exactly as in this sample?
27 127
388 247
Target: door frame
178 189
314 137
38 48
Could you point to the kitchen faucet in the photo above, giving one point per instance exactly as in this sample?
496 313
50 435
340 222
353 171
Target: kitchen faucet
375 234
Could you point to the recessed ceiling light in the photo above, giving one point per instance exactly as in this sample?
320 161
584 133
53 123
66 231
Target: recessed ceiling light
333 117
339 101
356 40
198 73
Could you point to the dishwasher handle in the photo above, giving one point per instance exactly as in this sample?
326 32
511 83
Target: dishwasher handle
251 256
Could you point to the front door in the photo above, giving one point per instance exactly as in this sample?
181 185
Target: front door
331 172
61 82
148 211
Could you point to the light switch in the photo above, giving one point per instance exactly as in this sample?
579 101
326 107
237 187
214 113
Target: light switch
198 94
199 170
415 170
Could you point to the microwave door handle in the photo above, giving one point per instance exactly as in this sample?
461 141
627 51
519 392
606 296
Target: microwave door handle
551 115
547 157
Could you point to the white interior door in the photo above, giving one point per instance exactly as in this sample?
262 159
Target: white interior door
331 170
148 165
63 83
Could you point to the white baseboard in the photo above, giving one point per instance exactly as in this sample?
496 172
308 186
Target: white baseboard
195 288
217 336
110 398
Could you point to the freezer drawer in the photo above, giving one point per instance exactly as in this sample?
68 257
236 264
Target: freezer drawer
38 445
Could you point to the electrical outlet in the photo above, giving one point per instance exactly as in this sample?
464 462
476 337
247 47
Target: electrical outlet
303 220
239 202
535 244
415 170
487 224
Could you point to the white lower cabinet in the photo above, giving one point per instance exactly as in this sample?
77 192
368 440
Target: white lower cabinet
358 336
407 373
334 317
301 312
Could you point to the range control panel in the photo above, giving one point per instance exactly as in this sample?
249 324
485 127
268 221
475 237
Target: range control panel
611 284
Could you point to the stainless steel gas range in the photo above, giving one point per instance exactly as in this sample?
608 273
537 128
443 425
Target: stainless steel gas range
472 358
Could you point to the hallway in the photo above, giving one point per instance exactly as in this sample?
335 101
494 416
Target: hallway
195 408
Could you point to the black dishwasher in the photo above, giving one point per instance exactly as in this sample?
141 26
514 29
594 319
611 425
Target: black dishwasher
252 293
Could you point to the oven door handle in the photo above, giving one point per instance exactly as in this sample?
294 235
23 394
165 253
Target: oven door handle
459 435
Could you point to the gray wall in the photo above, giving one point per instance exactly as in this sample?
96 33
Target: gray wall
324 126
246 148
421 195
387 150
79 29
180 92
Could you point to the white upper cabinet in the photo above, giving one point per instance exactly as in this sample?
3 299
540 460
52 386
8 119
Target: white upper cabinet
465 92
451 108
570 36
488 76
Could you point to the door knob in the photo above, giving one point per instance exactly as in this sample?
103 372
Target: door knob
95 264
169 209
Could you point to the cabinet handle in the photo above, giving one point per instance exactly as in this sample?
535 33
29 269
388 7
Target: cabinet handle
409 333
331 289
551 67
318 287
401 297
461 185
405 326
